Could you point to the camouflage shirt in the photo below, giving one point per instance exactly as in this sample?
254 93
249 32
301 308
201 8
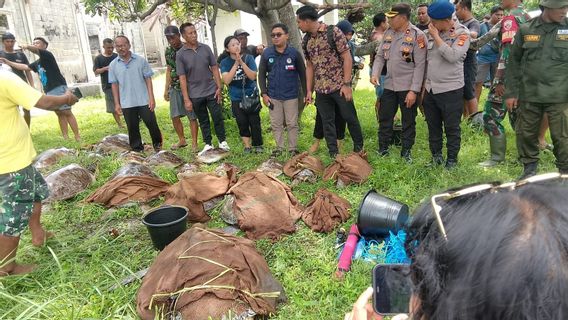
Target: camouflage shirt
171 62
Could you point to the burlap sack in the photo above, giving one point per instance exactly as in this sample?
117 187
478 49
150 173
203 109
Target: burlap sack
352 168
264 206
205 273
325 211
191 192
303 161
121 190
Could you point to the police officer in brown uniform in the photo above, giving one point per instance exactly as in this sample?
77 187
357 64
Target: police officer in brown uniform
448 42
404 52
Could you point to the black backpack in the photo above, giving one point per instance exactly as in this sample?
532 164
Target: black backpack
330 41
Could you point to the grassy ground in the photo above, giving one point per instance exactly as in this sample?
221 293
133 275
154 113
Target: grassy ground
77 268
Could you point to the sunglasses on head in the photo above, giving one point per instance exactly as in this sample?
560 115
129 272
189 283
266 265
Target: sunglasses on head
276 35
486 188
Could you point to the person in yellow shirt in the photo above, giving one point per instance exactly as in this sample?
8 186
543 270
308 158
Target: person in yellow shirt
21 186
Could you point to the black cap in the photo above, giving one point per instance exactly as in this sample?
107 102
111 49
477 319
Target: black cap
8 36
241 31
399 8
171 31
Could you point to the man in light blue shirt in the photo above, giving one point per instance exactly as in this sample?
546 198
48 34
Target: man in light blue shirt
131 79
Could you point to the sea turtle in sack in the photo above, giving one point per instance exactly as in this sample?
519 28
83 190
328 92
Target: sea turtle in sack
134 169
68 181
115 143
306 175
50 157
271 167
132 156
213 155
188 170
164 158
222 169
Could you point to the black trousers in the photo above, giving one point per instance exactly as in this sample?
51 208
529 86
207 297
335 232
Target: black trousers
132 118
248 123
443 112
340 126
327 104
390 101
200 106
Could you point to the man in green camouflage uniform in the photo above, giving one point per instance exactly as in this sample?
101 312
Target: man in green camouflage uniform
494 111
537 83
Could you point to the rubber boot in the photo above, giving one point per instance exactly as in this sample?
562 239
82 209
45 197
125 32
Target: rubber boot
498 146
529 170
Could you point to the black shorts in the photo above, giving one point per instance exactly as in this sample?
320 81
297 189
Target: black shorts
469 75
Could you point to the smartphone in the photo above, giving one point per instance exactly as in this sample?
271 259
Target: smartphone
392 288
77 93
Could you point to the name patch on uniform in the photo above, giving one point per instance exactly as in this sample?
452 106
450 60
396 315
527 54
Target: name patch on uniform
562 37
532 38
290 67
563 31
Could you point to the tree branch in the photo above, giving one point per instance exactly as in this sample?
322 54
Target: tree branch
328 6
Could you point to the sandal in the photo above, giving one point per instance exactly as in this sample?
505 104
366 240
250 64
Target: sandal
178 146
545 146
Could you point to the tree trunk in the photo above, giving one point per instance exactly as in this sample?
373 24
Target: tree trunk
267 19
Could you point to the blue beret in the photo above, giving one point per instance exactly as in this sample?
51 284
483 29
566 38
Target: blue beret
441 9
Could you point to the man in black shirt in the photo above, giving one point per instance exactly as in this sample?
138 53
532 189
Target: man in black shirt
423 18
52 81
100 67
9 55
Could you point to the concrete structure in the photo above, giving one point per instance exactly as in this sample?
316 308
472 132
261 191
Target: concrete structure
75 38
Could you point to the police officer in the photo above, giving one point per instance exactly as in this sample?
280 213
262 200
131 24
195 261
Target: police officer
448 42
540 44
404 52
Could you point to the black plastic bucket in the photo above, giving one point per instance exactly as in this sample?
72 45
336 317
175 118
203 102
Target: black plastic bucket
379 214
165 224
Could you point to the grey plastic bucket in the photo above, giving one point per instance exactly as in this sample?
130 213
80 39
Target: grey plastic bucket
165 224
379 214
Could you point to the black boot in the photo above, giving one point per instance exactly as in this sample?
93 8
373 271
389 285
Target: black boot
437 160
405 154
451 163
529 170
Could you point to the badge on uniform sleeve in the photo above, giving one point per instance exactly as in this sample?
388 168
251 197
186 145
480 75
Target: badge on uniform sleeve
462 39
289 60
531 38
421 43
270 60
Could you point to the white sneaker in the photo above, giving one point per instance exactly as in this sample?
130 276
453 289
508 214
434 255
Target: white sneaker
224 145
205 149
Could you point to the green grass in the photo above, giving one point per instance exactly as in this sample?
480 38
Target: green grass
77 268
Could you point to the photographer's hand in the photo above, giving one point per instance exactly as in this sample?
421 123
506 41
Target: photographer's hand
362 309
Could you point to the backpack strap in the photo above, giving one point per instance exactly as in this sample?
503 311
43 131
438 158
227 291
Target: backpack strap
331 39
305 44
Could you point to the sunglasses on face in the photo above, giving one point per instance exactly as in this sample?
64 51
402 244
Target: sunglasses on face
276 35
493 187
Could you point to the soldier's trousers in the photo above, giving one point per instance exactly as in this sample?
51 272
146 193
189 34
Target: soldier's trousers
443 113
528 126
390 101
494 113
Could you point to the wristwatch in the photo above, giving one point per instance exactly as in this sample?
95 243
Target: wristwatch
348 84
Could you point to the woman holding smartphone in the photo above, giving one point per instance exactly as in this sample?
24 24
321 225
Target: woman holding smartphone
488 252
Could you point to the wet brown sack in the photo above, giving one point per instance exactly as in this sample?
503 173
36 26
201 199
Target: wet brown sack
264 206
206 273
326 211
121 190
352 168
191 192
303 161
